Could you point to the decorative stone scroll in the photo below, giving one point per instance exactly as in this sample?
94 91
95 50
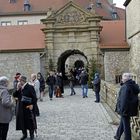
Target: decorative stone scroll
71 16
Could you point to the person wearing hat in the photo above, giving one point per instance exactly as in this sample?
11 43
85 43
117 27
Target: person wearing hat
25 112
6 104
127 105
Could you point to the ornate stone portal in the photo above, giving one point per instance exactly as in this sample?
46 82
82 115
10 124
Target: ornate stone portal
71 31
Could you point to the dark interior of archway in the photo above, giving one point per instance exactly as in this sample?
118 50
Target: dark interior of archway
79 64
62 59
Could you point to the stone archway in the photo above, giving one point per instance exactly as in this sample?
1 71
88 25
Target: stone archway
68 30
64 56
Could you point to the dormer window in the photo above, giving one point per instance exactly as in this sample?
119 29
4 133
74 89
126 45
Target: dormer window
90 6
114 15
27 6
98 3
12 1
114 12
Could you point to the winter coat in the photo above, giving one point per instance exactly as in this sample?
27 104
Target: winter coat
6 105
42 84
83 78
36 85
127 102
96 83
25 118
51 81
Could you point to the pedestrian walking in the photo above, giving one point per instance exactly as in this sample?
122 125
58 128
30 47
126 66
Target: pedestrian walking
25 112
6 104
42 85
127 106
84 83
96 83
71 83
51 83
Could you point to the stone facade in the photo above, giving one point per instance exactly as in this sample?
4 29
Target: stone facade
115 63
133 35
71 30
26 63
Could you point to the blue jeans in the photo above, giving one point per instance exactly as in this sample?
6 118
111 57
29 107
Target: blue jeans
124 126
84 90
97 96
51 90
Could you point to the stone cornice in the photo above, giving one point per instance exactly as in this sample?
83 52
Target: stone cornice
73 28
22 51
114 49
24 13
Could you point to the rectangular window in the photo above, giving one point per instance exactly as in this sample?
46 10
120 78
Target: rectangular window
118 79
22 22
5 23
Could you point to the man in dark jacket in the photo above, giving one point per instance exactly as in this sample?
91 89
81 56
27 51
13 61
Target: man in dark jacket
96 83
25 115
51 82
127 105
84 83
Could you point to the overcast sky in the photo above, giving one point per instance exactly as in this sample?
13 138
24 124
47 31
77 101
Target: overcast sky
119 3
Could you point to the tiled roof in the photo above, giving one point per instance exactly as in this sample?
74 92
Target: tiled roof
44 5
113 35
30 37
27 37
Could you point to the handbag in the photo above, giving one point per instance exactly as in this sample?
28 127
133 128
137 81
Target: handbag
27 100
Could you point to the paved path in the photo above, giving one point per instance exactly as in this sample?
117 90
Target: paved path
71 118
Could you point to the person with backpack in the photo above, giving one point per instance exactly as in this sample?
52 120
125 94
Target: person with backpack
127 105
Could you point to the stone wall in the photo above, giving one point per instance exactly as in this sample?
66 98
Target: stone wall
109 94
26 63
134 56
115 63
133 36
133 17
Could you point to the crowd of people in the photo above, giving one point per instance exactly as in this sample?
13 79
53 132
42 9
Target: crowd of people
27 94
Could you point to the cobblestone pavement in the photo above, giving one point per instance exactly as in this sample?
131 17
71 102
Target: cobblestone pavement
70 118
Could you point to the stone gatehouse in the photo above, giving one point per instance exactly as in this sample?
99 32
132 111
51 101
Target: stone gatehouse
72 35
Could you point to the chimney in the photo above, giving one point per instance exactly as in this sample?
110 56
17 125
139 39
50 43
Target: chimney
27 6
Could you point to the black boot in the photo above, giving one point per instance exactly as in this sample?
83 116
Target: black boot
31 134
24 135
32 137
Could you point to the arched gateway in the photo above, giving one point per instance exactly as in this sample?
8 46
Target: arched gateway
71 37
